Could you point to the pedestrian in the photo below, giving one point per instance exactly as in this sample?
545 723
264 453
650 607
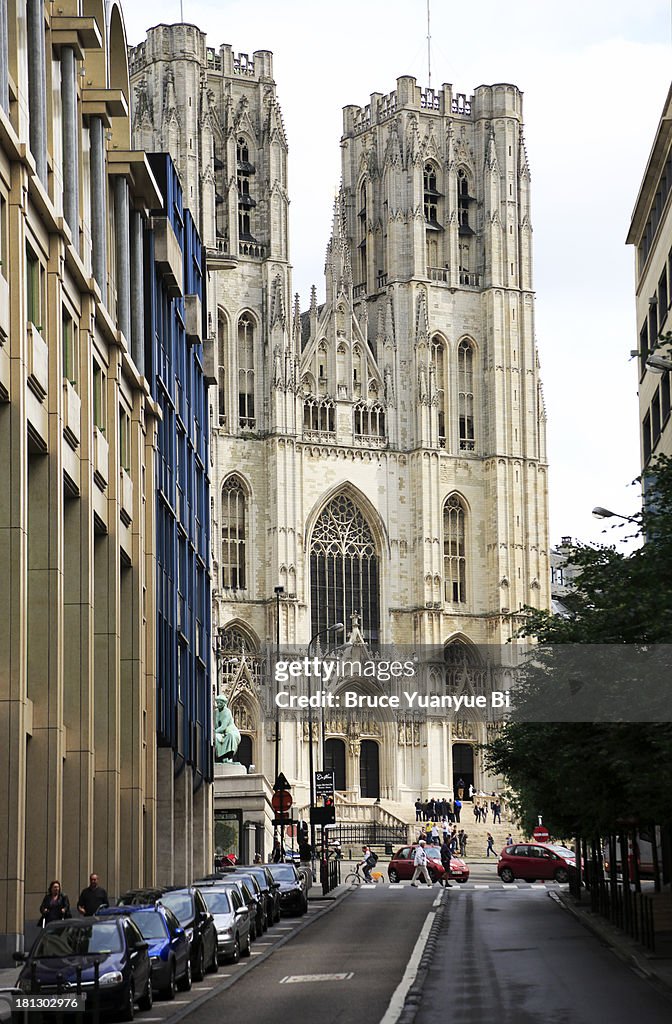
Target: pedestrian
91 898
509 840
460 788
55 906
491 846
276 855
420 864
435 835
462 841
446 854
484 813
458 810
496 813
471 791
477 810
418 810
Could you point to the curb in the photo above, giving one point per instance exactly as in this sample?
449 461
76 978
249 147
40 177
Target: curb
230 982
601 929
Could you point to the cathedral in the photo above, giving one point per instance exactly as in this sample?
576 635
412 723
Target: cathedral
378 459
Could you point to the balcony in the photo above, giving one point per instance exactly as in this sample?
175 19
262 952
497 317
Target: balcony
101 458
193 319
38 363
469 280
72 411
168 255
4 310
125 497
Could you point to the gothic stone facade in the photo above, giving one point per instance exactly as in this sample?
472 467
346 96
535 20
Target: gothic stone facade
382 454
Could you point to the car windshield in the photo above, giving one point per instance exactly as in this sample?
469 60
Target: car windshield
181 905
72 940
217 902
252 883
150 924
433 852
260 877
283 872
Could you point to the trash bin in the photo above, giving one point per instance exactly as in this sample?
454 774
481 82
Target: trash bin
388 849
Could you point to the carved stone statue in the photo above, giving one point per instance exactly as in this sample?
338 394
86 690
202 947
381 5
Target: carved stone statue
227 736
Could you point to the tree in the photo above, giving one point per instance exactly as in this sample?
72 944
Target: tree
587 774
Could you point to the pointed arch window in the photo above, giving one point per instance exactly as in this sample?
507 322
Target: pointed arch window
344 570
465 397
246 416
319 416
362 219
439 360
221 373
463 201
244 171
431 197
234 535
454 551
369 420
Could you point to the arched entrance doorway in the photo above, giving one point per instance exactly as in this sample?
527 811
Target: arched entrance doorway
334 761
369 769
244 753
463 766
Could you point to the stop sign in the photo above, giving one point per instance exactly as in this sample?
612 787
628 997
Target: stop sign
541 834
281 801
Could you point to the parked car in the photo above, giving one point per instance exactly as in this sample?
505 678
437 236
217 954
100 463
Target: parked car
269 888
531 861
253 884
253 902
292 889
232 921
401 866
190 910
63 947
564 852
169 947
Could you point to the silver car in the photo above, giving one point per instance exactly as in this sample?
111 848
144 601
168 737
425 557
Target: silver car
232 921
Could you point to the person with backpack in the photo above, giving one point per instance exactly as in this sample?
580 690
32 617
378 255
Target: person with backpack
369 861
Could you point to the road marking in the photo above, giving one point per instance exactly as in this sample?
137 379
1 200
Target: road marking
293 979
396 1005
478 886
263 943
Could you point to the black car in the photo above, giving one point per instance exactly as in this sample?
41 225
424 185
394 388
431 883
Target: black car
190 910
269 887
293 898
64 948
254 885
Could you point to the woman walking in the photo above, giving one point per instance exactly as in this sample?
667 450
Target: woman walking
55 906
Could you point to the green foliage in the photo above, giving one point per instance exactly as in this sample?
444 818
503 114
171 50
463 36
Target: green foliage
586 776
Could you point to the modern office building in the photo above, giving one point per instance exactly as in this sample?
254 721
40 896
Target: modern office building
651 234
381 457
83 785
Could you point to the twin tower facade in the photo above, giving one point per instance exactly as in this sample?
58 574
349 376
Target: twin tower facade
381 454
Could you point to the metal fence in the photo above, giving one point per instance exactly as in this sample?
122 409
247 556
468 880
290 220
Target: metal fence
370 833
630 911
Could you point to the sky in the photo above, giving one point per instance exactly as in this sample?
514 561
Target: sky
594 76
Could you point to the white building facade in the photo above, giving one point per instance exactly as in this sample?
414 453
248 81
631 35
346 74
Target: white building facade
382 456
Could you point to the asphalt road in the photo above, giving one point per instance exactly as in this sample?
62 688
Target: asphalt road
514 956
367 940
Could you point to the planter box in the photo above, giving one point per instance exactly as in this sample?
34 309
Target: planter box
125 497
38 363
101 459
168 255
72 413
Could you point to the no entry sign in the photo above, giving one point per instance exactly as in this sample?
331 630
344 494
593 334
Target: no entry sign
541 834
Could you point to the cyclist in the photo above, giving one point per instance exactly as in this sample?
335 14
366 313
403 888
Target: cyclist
367 863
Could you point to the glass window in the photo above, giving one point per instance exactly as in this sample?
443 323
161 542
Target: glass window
70 350
246 373
233 520
99 397
124 439
465 368
4 269
217 902
454 550
35 290
438 357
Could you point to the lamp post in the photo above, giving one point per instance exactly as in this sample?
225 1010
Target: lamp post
321 632
605 513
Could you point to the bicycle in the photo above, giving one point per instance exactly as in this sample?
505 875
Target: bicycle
353 879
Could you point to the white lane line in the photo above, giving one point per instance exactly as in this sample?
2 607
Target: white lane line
510 887
396 1005
478 886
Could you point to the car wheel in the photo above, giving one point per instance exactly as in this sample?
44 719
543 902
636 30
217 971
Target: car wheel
169 991
147 1001
393 875
128 1012
199 972
277 915
506 875
561 875
184 984
460 880
214 963
248 949
235 956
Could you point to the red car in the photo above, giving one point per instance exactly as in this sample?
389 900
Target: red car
401 865
531 861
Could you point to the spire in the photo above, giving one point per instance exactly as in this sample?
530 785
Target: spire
422 322
337 267
313 311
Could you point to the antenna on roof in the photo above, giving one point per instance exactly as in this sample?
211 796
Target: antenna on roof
181 12
429 49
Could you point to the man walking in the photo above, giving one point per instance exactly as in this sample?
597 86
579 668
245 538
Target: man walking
446 854
458 810
91 898
496 813
420 864
491 846
462 837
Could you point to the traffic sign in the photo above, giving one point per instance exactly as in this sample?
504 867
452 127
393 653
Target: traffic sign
541 834
281 801
281 783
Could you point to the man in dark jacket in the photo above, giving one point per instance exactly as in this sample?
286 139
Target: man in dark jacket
445 860
91 898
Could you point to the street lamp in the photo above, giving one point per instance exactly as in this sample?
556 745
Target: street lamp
605 513
321 632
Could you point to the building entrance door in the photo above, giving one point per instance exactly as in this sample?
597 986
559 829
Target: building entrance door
463 766
369 771
334 761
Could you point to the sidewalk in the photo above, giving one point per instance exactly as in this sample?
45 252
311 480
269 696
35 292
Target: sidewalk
654 966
